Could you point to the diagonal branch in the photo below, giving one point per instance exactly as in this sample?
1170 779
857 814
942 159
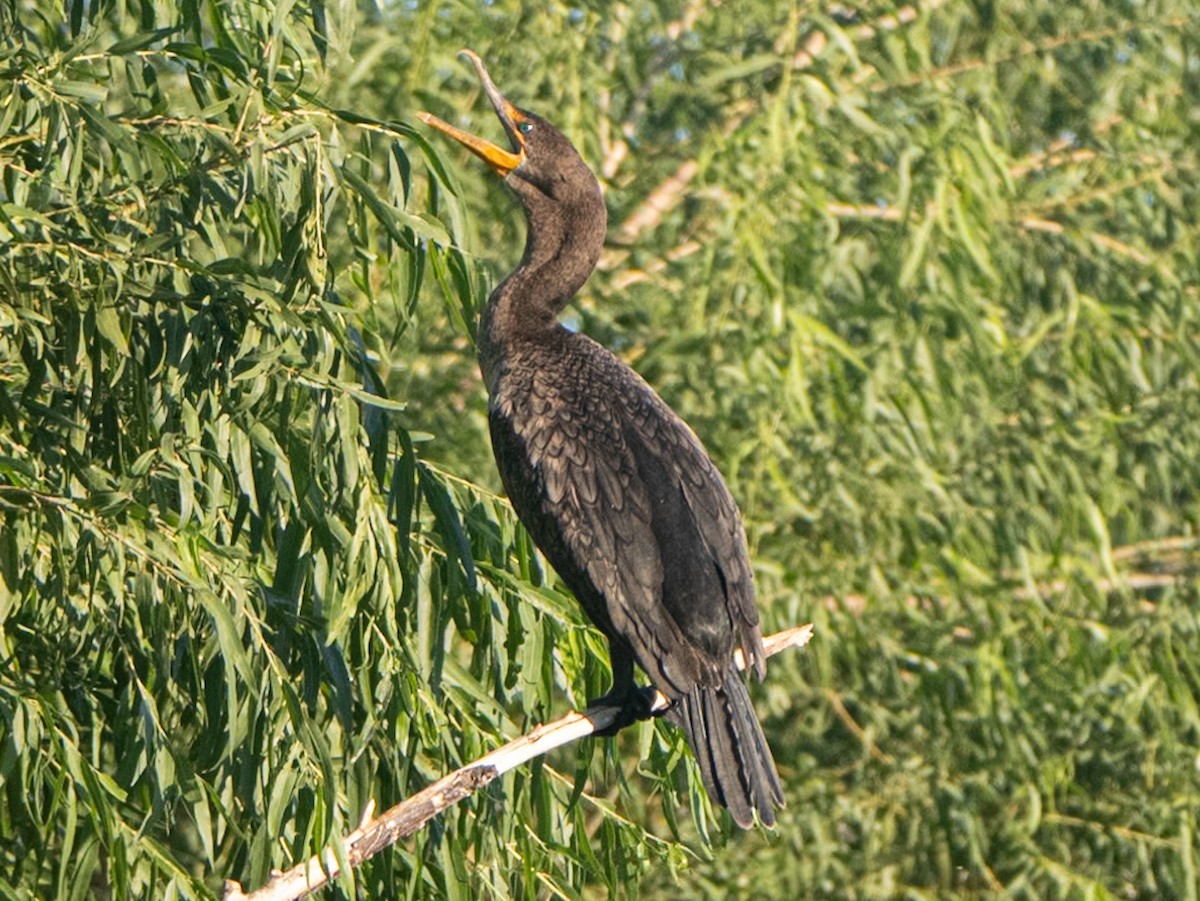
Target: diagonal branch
668 193
413 813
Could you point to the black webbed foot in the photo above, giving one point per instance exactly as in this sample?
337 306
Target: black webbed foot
635 704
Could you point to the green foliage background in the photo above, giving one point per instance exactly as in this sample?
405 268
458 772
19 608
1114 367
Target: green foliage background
924 278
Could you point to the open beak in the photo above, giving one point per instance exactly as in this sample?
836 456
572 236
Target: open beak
502 161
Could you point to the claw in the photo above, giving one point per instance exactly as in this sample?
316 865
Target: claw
635 704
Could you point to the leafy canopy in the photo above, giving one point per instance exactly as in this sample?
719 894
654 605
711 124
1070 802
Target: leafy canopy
923 277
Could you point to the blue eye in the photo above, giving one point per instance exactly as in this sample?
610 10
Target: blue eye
525 128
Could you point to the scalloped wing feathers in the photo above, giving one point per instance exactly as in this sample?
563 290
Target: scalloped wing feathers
622 499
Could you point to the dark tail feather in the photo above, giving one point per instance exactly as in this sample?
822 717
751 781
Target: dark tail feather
729 745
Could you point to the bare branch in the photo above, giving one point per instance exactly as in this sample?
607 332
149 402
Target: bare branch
405 818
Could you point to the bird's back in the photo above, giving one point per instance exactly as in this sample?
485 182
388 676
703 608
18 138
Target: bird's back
621 497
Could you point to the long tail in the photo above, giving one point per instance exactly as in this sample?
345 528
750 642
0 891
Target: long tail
729 745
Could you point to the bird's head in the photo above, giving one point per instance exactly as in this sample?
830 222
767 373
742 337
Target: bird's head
542 166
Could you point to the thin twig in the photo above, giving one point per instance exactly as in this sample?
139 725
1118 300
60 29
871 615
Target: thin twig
1035 48
405 818
1164 562
835 701
1062 819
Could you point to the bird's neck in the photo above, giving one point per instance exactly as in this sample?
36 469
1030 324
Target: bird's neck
561 251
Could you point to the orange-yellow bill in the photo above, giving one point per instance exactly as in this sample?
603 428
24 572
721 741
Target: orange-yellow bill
501 160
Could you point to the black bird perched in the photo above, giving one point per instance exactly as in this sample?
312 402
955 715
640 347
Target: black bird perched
612 485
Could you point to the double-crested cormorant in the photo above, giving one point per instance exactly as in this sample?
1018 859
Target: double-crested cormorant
612 485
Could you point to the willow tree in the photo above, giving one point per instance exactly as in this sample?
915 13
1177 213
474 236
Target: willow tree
924 278
237 604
